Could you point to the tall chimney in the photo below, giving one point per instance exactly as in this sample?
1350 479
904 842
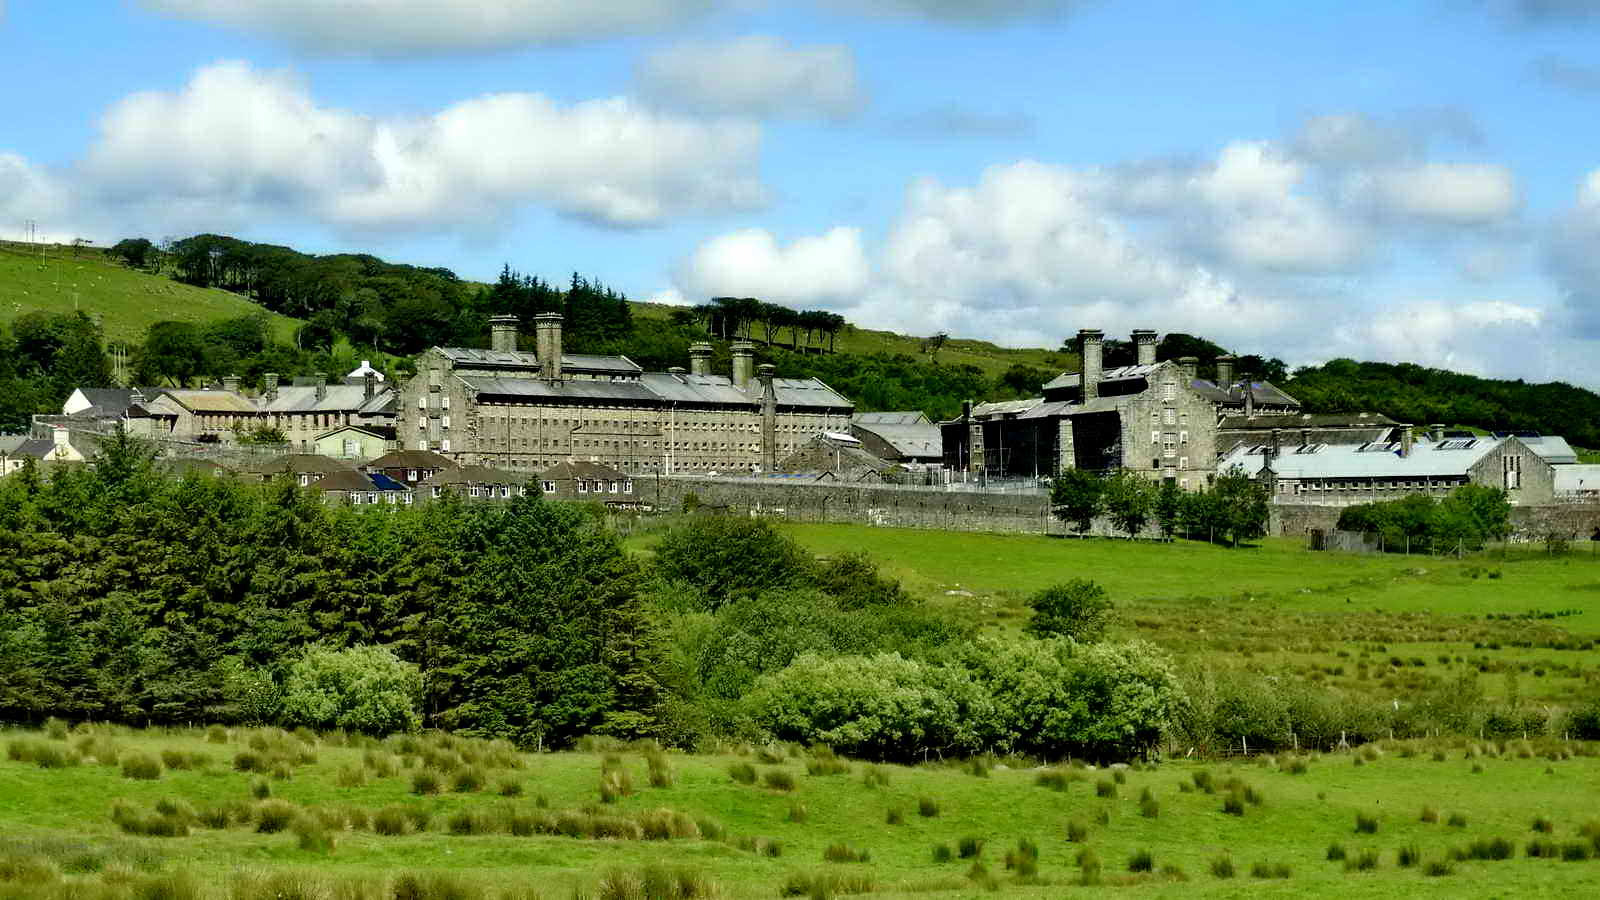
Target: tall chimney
503 333
1305 437
1436 432
136 398
1145 342
1090 343
769 419
60 436
1405 440
1190 366
1274 445
1225 370
322 385
230 383
744 359
269 386
369 384
700 359
1249 397
547 334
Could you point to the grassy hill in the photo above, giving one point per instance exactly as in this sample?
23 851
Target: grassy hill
125 301
993 359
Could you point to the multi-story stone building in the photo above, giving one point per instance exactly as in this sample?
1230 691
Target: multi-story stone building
1156 418
527 411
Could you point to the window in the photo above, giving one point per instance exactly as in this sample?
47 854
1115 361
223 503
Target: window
444 402
473 490
1183 483
549 487
1155 437
445 422
305 480
422 402
421 423
1169 391
422 445
1169 416
1513 472
627 487
1183 437
1169 446
1183 462
583 486
444 445
505 490
411 475
355 499
408 498
613 487
372 496
392 498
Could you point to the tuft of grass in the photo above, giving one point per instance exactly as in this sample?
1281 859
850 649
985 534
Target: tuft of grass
312 836
1543 825
1577 851
1438 868
1024 860
844 853
1366 824
260 788
927 807
1222 867
660 767
1105 787
1203 780
969 847
875 777
1233 804
1054 779
273 816
1336 853
1457 820
425 782
1430 815
894 817
350 777
742 772
141 767
797 811
216 734
1088 866
1077 831
1408 856
1365 861
942 853
467 780
1141 861
820 885
1270 870
778 780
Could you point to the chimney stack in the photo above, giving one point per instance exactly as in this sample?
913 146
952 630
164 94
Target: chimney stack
1090 342
1305 437
1145 342
1190 366
1275 445
269 386
1436 432
1249 397
1225 370
369 383
136 398
769 418
744 359
700 358
230 383
322 385
1405 440
60 435
503 333
547 333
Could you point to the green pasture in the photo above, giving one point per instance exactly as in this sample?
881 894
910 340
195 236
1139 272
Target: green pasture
126 301
1499 790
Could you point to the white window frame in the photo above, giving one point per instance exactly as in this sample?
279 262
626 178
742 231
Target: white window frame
444 402
549 487
444 446
583 486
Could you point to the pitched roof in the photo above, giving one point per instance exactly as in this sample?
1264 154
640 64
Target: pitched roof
1428 459
565 471
524 361
1115 373
412 459
298 463
367 430
212 401
907 439
1577 478
566 389
335 398
475 475
347 480
915 417
37 448
1294 421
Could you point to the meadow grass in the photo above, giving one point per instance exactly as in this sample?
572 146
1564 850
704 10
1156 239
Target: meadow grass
321 823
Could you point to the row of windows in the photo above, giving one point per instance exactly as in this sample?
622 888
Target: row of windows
1363 484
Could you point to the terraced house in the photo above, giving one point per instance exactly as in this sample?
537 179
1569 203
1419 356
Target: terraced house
527 411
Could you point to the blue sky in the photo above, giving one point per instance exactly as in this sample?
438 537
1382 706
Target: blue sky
1384 181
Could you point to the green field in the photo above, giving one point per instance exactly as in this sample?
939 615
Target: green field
124 300
65 814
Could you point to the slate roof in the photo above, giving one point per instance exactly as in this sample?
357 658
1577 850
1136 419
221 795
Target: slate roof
577 390
412 459
706 389
10 442
475 475
1265 393
920 439
297 463
591 471
1115 373
1428 459
37 448
1295 421
1552 449
915 417
522 360
1577 478
348 480
336 398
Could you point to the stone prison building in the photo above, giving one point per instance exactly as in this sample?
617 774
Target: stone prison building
527 411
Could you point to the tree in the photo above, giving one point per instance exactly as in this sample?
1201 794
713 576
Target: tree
1169 508
1075 498
363 688
172 350
1079 609
725 556
1475 513
1243 503
1128 498
135 252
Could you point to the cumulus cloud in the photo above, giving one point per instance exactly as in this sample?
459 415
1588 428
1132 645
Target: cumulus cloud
236 143
401 27
1572 257
827 269
755 75
951 121
1450 194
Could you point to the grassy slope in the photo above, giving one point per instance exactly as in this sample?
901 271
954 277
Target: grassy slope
992 359
1301 815
127 301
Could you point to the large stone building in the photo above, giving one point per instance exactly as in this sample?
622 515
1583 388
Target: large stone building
527 411
1156 418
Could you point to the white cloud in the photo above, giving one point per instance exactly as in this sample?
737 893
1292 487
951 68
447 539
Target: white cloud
30 193
828 269
1440 193
754 75
668 297
1486 337
1572 257
237 142
429 26
965 12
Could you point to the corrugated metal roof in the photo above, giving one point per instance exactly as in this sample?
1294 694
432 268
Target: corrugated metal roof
1115 373
1361 461
1005 407
576 390
908 439
1066 408
1577 479
915 417
523 360
808 392
335 398
686 388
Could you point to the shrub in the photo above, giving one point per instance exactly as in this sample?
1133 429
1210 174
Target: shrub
425 781
1365 861
1335 853
778 779
742 772
55 729
942 853
1141 861
1457 820
969 847
363 688
844 853
1430 815
1105 787
1077 831
1270 870
1408 856
726 556
216 734
467 781
141 767
927 807
1366 824
1079 609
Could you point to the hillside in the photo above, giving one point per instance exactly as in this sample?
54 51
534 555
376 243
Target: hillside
126 301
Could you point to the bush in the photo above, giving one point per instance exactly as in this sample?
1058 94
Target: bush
1141 861
1577 851
742 772
1078 609
425 781
1366 824
969 847
141 767
778 779
725 556
1077 831
363 688
927 807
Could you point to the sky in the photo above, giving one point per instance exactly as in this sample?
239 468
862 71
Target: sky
1387 181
